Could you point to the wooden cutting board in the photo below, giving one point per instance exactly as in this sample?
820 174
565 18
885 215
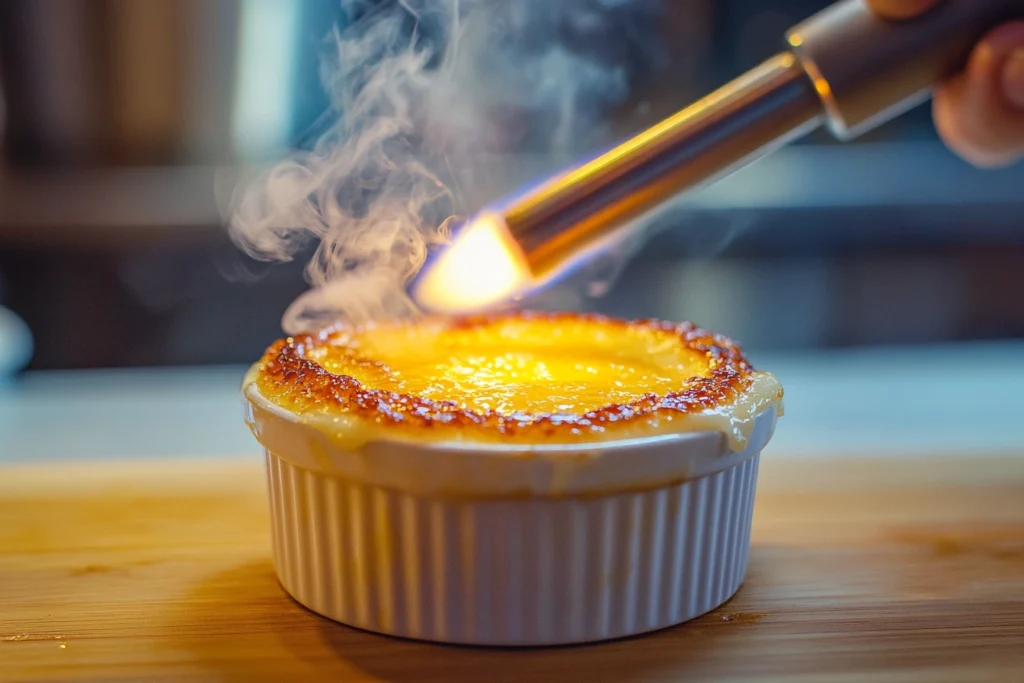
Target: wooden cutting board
901 570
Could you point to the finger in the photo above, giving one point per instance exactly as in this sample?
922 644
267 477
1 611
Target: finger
980 113
901 9
1013 78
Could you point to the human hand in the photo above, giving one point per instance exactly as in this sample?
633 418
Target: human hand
979 113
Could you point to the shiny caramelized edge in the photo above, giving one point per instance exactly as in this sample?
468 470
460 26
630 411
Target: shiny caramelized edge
306 384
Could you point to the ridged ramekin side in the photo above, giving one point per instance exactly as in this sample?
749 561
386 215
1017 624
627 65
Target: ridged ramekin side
510 572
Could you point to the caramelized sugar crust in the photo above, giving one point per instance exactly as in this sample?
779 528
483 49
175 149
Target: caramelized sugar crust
702 371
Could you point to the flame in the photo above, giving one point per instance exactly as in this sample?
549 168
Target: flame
482 267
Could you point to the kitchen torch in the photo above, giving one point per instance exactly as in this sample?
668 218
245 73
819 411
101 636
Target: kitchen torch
845 68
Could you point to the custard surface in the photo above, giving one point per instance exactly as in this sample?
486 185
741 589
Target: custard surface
524 378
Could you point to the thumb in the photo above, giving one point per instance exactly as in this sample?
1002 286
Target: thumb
980 113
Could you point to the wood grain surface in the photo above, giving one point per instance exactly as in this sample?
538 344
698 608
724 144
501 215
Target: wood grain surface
902 570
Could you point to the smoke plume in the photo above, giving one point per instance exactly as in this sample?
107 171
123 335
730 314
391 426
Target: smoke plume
423 93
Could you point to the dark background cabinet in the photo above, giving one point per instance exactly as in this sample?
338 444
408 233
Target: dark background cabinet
123 121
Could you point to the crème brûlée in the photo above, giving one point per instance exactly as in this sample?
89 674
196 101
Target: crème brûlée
519 378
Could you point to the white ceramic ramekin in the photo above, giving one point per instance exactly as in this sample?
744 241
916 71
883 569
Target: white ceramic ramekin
511 546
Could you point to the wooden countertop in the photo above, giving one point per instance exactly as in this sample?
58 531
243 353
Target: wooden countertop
900 570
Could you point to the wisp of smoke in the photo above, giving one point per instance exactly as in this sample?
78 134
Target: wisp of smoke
421 91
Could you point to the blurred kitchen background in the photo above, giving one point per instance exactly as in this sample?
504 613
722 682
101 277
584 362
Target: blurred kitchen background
124 122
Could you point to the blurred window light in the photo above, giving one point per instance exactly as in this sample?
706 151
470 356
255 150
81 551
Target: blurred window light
267 60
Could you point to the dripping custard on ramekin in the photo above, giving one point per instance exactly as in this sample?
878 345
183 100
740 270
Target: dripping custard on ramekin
515 479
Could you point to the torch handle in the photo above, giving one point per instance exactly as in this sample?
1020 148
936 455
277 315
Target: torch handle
868 69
